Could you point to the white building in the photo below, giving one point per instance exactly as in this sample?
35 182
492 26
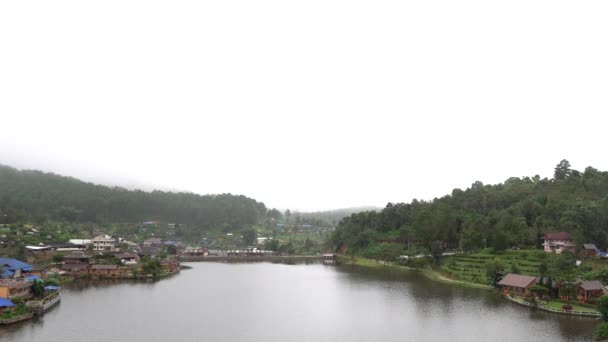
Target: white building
103 243
83 242
558 242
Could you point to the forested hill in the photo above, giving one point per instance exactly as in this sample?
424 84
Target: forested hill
35 196
515 213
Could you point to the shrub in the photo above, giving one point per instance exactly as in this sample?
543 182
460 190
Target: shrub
539 290
602 306
489 250
58 257
51 281
420 262
567 307
537 254
601 332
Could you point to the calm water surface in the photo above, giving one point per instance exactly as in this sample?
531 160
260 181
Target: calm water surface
276 302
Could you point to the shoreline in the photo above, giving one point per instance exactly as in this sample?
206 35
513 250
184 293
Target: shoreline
39 307
430 274
244 258
436 276
587 314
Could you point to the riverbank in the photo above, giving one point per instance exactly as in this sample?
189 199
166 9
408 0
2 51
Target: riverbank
428 273
341 303
437 276
244 258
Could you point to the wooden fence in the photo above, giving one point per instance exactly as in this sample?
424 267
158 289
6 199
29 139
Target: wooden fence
550 309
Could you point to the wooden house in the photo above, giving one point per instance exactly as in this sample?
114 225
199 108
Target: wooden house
104 271
517 284
15 288
75 269
589 250
589 290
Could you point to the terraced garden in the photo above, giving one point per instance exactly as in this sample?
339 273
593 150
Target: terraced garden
472 267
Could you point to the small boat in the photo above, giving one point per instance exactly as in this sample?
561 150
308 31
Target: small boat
329 258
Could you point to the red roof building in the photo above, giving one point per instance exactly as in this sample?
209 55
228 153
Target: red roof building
518 284
558 242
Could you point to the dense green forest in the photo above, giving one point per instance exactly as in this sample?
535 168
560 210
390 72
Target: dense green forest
512 214
34 196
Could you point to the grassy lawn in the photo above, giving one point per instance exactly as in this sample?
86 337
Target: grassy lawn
346 260
434 275
595 264
557 304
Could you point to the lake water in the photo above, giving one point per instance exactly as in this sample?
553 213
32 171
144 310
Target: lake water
277 302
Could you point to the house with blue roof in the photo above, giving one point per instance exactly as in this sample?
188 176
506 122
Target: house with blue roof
8 267
5 304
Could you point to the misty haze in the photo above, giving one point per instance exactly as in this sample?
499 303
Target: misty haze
303 171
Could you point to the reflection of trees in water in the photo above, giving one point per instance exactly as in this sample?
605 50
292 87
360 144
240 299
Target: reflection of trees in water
575 327
284 261
571 326
409 288
429 297
84 284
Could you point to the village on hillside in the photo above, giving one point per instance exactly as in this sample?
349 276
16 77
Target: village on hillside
33 286
539 290
30 282
562 277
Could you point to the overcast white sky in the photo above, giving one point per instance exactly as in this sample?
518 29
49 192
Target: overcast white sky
303 104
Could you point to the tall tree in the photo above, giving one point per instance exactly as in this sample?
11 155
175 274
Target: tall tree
562 170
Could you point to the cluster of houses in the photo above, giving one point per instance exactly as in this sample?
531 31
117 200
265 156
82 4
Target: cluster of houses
16 280
98 257
78 257
105 244
246 252
584 291
563 242
79 264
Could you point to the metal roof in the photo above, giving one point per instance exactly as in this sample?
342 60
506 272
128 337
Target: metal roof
33 278
14 264
591 285
517 280
558 236
6 303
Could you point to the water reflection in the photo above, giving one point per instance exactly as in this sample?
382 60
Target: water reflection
299 302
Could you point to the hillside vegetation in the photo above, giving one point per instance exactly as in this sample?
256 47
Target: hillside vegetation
34 196
513 214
